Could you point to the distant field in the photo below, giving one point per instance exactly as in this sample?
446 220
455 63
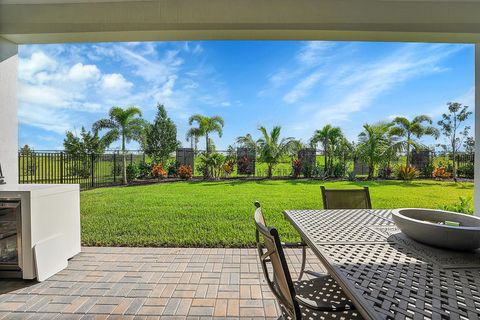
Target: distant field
220 213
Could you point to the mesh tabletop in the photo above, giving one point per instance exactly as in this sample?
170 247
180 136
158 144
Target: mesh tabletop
387 274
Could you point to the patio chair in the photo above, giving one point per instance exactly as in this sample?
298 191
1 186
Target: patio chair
346 198
298 244
318 298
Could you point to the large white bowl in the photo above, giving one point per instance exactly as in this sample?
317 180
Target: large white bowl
413 222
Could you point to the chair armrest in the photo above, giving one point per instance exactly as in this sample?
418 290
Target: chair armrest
294 244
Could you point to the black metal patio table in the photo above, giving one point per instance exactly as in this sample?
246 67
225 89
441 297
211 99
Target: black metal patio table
386 274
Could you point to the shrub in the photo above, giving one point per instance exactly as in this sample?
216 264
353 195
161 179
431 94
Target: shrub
428 170
462 206
133 172
158 171
172 169
352 176
296 168
338 170
466 171
185 172
441 173
385 172
308 170
228 166
319 172
244 165
407 173
144 169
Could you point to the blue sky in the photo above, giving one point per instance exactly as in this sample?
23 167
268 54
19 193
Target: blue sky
296 84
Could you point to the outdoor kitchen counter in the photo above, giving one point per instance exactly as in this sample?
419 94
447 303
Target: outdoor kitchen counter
50 220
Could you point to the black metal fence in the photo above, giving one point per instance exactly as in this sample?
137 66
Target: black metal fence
88 170
99 170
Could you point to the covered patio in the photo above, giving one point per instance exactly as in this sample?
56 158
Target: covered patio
149 283
153 283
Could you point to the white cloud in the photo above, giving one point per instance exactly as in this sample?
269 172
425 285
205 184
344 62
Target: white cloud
115 82
301 89
312 52
81 72
37 62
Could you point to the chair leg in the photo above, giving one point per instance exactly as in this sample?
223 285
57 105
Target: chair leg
304 262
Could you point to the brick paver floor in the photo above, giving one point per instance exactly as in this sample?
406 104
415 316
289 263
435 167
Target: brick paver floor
150 283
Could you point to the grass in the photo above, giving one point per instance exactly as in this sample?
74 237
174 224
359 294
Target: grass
220 213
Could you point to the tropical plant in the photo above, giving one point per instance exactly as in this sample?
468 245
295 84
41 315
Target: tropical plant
407 172
351 176
206 126
172 168
464 205
158 171
409 130
133 172
145 169
296 168
441 173
247 141
123 124
330 138
193 135
212 164
374 144
272 148
244 165
228 166
185 172
450 127
161 136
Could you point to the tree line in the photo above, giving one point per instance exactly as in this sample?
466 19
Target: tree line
378 145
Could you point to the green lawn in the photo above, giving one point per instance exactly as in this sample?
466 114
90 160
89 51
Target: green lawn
220 213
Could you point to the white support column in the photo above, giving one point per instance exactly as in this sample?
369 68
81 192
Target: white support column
477 132
8 110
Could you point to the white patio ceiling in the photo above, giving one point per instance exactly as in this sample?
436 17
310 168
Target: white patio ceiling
50 21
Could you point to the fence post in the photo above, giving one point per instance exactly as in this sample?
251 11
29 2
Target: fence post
114 166
92 168
61 167
131 158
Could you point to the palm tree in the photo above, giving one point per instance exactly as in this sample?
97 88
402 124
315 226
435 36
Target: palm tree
272 148
123 124
206 125
375 143
193 135
412 129
329 137
247 141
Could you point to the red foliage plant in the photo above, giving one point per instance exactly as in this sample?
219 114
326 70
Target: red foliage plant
158 171
185 172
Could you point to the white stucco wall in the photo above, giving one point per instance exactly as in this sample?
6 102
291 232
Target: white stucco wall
8 110
477 132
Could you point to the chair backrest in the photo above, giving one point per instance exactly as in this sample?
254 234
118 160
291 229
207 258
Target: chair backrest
270 252
346 198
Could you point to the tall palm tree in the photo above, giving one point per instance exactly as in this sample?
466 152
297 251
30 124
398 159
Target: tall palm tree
375 143
207 125
411 130
193 135
329 137
272 148
123 124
